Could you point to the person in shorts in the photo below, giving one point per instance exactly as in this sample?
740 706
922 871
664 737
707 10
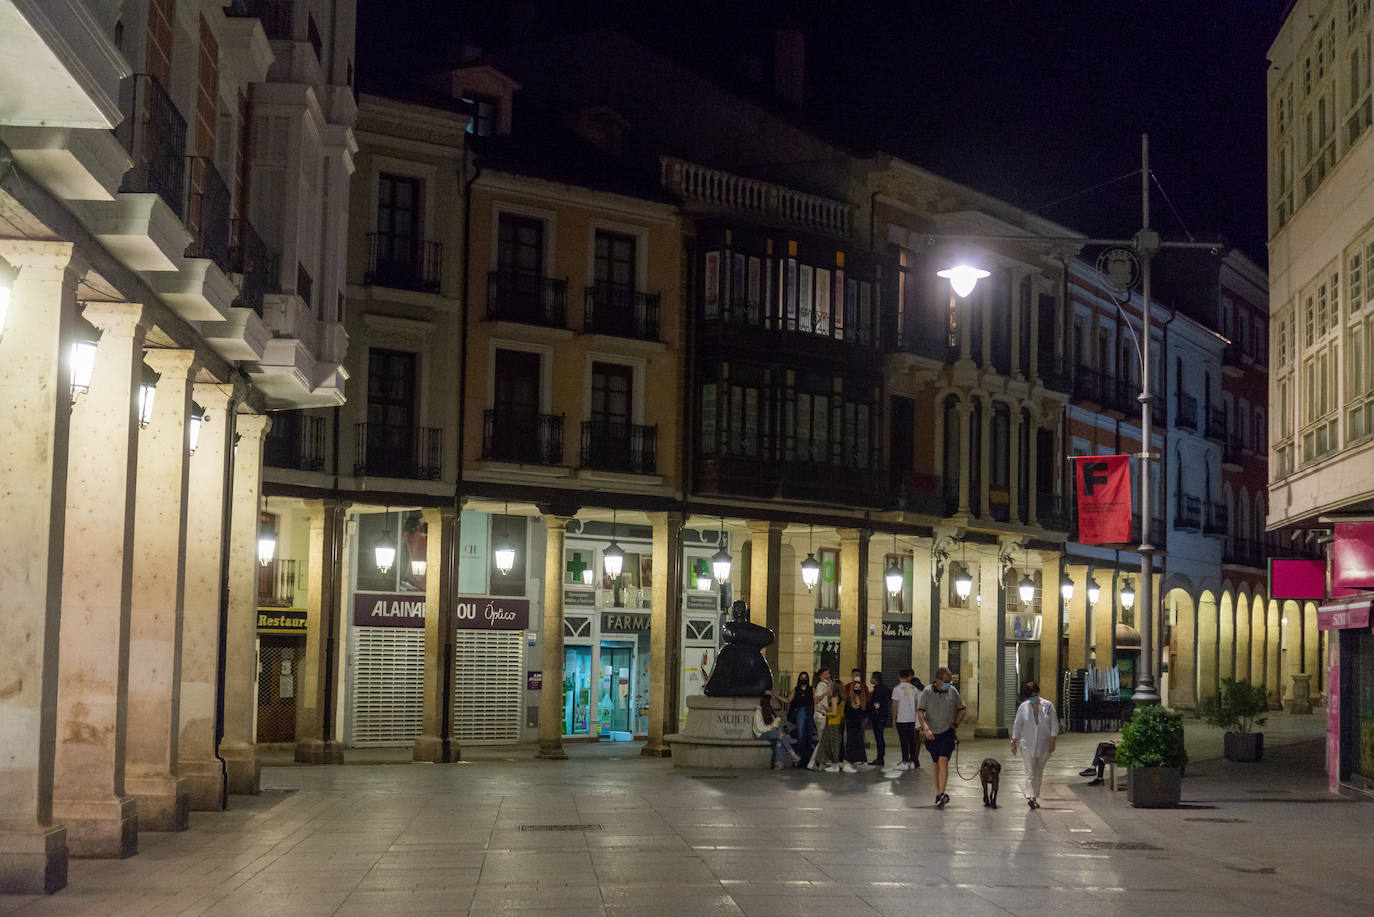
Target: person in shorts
940 710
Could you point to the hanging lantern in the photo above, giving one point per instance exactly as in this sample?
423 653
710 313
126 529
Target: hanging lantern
963 583
720 565
1027 589
1127 597
385 550
613 559
811 571
193 430
267 548
895 577
1066 588
1094 592
83 356
504 552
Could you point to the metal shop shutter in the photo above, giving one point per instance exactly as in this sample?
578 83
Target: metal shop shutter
388 685
488 686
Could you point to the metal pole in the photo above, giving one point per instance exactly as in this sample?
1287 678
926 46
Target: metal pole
1146 243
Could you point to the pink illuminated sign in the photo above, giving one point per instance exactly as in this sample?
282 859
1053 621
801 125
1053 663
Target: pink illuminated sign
1297 579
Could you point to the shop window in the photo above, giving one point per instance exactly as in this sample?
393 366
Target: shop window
828 594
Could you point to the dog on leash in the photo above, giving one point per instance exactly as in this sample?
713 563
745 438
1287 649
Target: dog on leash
990 775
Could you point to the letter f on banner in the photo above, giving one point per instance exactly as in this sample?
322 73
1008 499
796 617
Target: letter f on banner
1104 498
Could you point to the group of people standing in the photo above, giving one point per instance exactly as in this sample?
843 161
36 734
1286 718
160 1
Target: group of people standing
830 721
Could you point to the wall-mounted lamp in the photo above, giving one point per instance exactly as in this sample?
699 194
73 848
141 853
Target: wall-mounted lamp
8 274
85 338
193 433
147 389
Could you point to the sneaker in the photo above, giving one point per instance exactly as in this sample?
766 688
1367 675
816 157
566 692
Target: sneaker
833 769
1096 781
940 800
850 769
1087 772
945 797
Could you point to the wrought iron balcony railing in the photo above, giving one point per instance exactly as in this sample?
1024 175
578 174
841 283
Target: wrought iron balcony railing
1241 552
1185 412
620 311
517 435
248 257
933 344
920 493
403 263
296 441
1054 372
1188 513
1050 513
625 447
153 132
388 451
1218 519
520 296
277 583
1216 424
207 213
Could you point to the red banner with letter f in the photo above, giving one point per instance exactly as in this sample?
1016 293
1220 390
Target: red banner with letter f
1103 483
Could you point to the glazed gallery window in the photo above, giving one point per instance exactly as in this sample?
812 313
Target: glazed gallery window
405 531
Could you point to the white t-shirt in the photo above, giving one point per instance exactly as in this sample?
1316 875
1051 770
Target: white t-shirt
904 701
822 692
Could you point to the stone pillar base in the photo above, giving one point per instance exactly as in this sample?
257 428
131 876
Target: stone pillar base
314 751
552 751
436 750
34 861
242 769
99 829
204 784
656 751
163 803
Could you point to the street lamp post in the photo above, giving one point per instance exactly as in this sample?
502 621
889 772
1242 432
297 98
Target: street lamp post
1144 244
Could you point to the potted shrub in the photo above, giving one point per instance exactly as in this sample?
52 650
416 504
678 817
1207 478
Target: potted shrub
1152 752
1238 708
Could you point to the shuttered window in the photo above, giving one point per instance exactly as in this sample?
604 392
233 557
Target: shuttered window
388 685
488 669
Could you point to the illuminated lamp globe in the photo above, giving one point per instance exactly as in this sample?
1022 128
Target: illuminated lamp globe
1027 589
963 584
811 571
720 565
1066 589
267 548
504 556
1094 592
963 278
385 555
1127 597
613 559
895 577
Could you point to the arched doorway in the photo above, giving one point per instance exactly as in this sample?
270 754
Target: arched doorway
1182 615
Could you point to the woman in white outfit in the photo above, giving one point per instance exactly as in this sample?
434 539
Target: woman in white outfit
1032 736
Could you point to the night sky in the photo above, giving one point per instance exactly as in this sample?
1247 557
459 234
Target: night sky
1028 101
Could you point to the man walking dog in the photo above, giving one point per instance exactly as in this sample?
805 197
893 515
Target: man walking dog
940 710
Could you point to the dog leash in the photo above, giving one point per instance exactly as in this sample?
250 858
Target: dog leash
957 743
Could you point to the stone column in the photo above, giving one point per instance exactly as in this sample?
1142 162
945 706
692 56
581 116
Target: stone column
1051 627
551 697
965 452
1033 475
93 688
1078 618
1311 643
238 747
1207 619
1183 666
317 705
35 415
984 434
925 616
992 638
853 599
436 743
764 582
198 765
155 625
1014 483
665 631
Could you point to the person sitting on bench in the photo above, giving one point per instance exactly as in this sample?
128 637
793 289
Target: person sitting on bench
1105 754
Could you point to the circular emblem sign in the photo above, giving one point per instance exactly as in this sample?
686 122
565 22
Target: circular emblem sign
1119 267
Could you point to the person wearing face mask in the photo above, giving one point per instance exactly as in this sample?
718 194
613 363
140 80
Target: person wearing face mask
940 710
879 712
801 710
1033 734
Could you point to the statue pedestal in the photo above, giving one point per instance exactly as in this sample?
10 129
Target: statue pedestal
719 733
1300 700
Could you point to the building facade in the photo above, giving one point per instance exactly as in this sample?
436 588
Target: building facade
171 175
1321 420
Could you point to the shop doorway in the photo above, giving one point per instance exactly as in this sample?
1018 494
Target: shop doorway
279 680
577 690
614 691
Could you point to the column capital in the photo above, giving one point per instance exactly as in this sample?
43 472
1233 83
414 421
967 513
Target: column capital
557 522
119 319
854 536
315 508
667 517
253 424
213 395
765 527
173 361
36 255
437 514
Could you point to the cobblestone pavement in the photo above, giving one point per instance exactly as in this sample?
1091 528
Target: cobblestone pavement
608 832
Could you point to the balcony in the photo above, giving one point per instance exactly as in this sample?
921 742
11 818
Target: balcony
517 435
403 263
932 343
1231 453
248 257
207 213
277 584
1188 513
1185 412
620 311
1241 552
387 451
627 448
1049 512
1159 535
531 299
278 19
699 184
919 493
154 134
1054 372
295 441
1217 521
1216 425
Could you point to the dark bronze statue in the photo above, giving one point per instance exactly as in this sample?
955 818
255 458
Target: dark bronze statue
741 670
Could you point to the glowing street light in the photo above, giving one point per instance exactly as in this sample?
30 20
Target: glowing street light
963 278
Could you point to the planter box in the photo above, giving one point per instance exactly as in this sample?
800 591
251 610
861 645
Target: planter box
1154 787
1246 747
